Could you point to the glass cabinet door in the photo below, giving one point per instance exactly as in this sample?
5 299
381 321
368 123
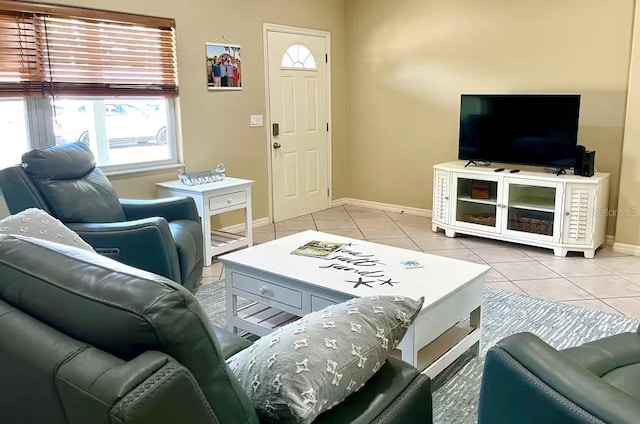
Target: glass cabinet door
532 209
476 202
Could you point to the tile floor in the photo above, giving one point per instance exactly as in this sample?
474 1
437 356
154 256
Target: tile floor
610 281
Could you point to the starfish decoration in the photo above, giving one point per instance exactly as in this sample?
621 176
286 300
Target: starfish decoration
388 282
361 283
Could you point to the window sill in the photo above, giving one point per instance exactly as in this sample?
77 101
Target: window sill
142 170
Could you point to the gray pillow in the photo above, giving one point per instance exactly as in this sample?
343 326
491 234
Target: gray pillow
307 367
38 224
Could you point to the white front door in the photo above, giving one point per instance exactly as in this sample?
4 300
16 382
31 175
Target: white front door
298 109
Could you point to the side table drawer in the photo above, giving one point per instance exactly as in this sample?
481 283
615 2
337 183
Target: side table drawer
226 200
267 290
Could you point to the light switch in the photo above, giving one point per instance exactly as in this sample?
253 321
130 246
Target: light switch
257 121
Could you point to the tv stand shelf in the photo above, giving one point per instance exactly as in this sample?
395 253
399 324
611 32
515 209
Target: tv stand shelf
483 201
560 212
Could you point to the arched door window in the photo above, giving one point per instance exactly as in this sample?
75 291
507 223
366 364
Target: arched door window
298 56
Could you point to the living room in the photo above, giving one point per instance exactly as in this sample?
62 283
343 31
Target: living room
397 72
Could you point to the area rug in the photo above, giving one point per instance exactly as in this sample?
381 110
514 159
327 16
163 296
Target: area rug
455 396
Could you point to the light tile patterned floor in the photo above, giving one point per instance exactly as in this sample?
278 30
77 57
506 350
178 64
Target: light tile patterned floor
610 281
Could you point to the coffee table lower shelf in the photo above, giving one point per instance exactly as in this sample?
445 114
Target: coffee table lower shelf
264 320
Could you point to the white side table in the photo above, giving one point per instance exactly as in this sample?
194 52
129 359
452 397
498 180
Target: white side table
213 199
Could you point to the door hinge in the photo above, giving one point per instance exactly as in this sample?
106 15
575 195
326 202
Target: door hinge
327 192
326 58
327 127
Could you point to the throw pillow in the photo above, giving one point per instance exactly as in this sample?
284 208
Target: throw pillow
36 223
307 367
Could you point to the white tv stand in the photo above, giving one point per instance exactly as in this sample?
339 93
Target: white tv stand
560 212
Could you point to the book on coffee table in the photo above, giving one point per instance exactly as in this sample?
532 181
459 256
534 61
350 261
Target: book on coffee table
317 249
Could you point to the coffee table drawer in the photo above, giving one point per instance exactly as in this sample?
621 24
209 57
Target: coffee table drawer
227 200
318 303
267 290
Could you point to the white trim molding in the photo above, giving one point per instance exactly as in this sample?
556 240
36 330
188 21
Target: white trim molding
609 240
627 249
382 206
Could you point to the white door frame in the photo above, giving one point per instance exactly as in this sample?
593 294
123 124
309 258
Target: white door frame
266 28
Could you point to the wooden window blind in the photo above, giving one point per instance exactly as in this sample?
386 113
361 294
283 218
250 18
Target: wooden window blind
20 70
59 50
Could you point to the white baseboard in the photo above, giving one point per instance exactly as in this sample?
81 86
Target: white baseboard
339 202
240 227
627 249
609 240
382 206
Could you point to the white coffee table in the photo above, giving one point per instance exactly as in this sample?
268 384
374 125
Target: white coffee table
283 287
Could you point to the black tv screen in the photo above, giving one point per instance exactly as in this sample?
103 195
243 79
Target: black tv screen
532 129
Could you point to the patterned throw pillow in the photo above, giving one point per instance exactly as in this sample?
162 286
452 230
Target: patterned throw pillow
307 367
36 223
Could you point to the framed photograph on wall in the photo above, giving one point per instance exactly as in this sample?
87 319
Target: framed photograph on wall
224 66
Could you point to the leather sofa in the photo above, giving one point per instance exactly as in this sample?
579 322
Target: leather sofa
85 339
161 236
526 381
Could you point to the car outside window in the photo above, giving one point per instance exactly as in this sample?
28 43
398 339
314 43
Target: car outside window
119 131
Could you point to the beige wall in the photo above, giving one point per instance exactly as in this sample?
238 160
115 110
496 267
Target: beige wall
409 61
628 225
4 211
215 125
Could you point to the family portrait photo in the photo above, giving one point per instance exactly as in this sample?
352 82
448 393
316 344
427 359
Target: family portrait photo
224 67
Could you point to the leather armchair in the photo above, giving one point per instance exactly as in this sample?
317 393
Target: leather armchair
160 236
84 339
527 381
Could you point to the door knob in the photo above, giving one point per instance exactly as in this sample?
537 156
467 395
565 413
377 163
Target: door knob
277 145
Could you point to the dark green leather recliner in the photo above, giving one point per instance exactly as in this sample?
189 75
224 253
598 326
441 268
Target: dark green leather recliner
526 381
161 236
87 340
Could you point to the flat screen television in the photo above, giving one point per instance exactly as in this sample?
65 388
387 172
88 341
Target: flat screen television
530 129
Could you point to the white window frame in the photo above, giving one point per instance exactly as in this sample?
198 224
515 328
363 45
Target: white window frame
41 134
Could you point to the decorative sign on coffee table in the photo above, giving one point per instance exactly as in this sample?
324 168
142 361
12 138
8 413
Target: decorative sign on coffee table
346 257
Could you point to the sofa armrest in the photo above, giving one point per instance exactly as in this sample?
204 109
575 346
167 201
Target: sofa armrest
170 395
230 344
171 209
527 381
151 388
396 394
145 243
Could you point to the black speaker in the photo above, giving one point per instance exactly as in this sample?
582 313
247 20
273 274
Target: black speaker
580 151
585 162
588 163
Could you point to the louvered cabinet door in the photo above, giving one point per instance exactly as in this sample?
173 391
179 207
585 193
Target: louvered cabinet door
441 188
579 212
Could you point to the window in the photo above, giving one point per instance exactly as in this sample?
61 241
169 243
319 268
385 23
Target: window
119 130
106 78
15 137
298 56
